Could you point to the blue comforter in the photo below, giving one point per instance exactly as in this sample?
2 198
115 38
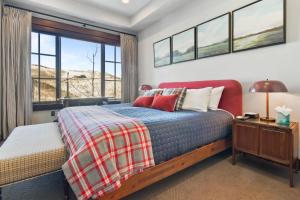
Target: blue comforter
176 133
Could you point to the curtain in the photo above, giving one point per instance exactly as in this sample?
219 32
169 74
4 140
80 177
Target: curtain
15 70
129 67
1 9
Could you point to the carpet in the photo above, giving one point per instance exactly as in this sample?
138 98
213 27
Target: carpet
213 179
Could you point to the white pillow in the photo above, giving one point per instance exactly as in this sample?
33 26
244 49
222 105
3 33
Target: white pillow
197 99
215 98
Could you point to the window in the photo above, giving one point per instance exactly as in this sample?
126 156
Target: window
64 67
80 68
43 67
112 71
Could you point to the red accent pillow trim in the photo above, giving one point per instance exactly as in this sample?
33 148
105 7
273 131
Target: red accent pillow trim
166 103
143 101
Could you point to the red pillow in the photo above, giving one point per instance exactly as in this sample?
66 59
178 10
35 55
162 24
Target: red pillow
166 103
143 101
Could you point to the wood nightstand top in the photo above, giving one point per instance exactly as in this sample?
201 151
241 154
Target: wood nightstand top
270 124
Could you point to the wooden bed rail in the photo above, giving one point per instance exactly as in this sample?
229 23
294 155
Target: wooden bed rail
168 168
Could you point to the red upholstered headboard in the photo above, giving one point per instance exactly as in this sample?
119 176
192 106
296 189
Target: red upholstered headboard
231 98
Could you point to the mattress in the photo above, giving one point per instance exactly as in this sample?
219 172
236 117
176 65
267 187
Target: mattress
175 133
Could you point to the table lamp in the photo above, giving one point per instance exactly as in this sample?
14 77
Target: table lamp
268 86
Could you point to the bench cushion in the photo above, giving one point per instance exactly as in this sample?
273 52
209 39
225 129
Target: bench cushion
30 151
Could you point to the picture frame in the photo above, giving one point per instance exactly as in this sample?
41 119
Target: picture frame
214 37
184 46
247 34
162 52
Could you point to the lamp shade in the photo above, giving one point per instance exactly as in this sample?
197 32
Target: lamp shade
145 87
268 86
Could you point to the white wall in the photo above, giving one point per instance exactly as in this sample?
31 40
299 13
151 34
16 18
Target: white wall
280 62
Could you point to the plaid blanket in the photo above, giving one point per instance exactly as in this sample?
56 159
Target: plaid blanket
105 149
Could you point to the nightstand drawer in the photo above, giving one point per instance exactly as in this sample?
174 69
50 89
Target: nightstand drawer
246 138
274 145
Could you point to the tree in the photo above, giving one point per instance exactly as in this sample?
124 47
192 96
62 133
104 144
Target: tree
91 58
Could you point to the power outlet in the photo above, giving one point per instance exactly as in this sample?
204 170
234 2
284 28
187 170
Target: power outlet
53 113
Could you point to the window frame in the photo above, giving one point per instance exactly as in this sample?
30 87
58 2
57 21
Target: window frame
114 62
59 30
57 70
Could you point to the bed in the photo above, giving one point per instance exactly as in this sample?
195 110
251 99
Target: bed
179 139
175 133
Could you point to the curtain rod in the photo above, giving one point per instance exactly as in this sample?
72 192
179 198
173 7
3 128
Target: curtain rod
70 20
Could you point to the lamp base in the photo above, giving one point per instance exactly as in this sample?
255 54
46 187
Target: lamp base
267 119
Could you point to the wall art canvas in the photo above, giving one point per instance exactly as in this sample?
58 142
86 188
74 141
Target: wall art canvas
162 52
183 46
213 37
259 24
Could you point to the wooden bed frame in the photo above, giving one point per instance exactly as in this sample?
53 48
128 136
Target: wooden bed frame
231 101
168 168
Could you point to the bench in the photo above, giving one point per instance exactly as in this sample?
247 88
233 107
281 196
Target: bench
31 151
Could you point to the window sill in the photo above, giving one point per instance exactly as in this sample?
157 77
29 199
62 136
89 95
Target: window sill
114 101
69 102
47 106
73 102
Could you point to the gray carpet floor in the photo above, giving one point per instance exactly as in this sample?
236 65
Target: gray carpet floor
212 179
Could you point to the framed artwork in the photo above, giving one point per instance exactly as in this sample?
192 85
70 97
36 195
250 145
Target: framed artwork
213 37
259 24
162 52
183 46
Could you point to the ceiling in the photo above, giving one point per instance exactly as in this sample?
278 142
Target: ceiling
128 10
134 16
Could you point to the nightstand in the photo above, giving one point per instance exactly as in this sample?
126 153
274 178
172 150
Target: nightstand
267 140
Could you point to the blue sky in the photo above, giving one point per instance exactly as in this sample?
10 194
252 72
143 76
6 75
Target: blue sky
75 54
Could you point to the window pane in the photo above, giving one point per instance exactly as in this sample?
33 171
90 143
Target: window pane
118 71
34 42
110 89
118 54
48 89
81 68
47 44
109 71
48 67
109 53
80 87
34 66
118 89
35 90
